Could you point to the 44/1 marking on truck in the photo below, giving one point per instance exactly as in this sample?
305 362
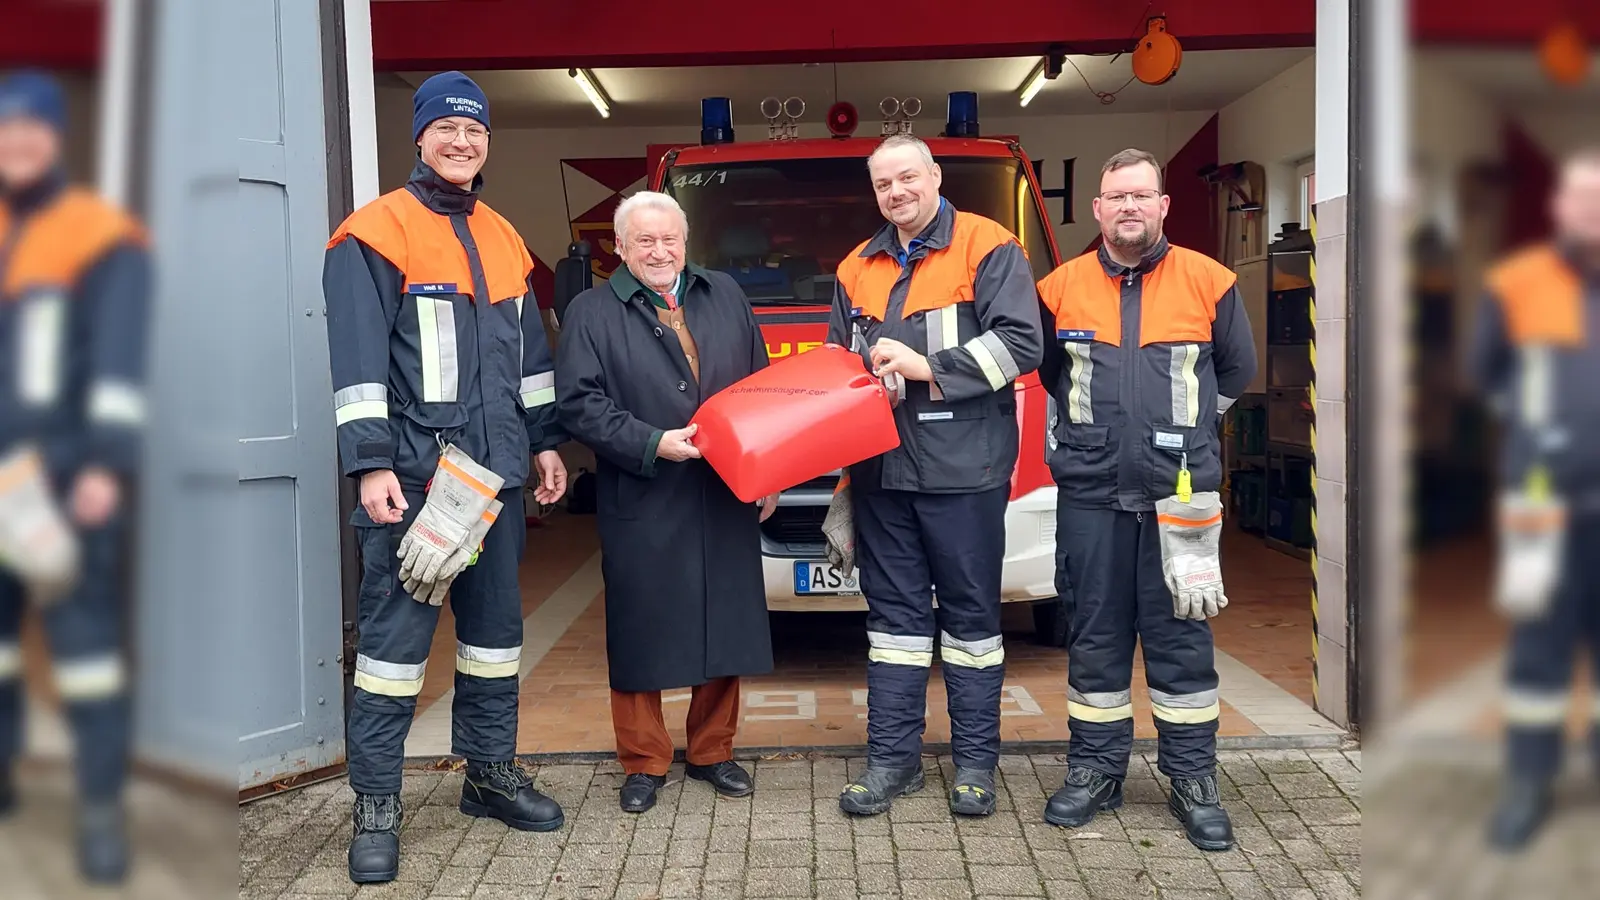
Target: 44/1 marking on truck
701 178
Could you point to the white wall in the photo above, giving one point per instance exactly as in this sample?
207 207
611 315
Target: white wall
523 176
1274 125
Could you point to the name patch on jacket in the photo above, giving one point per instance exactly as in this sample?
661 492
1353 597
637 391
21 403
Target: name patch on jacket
935 416
1168 441
432 288
1075 334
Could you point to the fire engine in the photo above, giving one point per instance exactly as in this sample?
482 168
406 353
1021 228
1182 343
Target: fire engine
778 215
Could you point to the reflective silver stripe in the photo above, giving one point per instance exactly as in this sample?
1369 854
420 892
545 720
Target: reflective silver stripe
942 335
1185 385
983 654
1532 707
1181 715
1225 403
1537 377
436 327
537 390
361 401
994 358
42 333
10 660
116 402
488 662
1104 706
900 650
390 679
90 678
1080 401
1197 700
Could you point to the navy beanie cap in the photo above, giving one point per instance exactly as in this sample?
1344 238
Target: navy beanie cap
35 95
447 94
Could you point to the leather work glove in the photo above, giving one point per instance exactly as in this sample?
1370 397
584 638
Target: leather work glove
1190 554
37 544
839 527
465 555
459 494
1533 532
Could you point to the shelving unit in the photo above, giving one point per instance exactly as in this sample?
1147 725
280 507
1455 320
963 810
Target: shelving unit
1289 377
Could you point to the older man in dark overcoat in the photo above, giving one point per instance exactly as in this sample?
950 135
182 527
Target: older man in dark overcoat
681 555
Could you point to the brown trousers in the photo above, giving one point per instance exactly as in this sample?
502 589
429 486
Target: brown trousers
643 744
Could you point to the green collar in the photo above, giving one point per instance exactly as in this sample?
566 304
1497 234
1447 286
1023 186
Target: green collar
627 287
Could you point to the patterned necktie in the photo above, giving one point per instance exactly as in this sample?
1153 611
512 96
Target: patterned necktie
672 300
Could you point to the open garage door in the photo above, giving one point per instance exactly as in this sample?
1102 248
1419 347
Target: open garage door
292 720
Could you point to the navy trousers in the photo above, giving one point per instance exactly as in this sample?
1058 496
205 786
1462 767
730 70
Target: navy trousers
396 633
1112 560
906 545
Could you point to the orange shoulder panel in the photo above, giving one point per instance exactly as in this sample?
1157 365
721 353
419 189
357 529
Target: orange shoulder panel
1086 301
379 225
867 281
62 242
503 253
1180 298
1541 296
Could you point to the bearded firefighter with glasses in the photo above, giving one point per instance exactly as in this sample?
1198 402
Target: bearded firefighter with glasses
1151 347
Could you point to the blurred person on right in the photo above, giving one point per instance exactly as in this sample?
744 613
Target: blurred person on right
1536 359
74 302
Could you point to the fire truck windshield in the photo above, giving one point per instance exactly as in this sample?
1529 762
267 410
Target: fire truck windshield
780 227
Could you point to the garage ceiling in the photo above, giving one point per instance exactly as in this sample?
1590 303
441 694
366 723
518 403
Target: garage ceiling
1513 78
671 96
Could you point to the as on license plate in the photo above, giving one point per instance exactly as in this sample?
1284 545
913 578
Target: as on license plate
822 577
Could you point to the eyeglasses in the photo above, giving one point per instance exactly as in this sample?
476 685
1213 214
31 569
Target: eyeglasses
1142 198
445 131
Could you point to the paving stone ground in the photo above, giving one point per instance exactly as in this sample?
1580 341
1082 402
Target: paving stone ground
1296 814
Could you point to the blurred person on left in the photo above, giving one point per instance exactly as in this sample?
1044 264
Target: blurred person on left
1537 361
74 300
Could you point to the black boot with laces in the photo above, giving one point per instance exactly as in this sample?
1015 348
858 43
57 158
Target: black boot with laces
1196 803
502 790
375 848
1083 794
874 791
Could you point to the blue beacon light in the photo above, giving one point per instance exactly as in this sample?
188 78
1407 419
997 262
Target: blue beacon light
716 120
962 118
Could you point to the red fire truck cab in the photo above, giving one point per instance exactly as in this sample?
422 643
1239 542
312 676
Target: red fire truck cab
779 215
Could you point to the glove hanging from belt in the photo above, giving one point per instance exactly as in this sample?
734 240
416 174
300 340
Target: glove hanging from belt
839 527
37 544
459 496
1190 526
465 555
1533 539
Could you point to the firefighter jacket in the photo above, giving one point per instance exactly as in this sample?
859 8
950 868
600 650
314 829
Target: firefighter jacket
75 285
1144 362
1537 358
963 297
433 336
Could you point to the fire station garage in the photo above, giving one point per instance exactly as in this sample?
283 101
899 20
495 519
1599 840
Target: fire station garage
1235 127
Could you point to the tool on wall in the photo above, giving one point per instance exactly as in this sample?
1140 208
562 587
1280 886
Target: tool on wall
1157 57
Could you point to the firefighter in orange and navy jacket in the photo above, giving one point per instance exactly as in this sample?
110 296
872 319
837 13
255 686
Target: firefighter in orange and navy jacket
1152 346
942 304
1536 357
75 287
435 339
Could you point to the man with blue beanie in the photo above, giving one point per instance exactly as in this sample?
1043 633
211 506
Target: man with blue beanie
443 386
74 304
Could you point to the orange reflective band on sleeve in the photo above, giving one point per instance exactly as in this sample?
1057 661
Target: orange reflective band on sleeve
60 243
466 479
1541 296
1180 298
423 245
1181 522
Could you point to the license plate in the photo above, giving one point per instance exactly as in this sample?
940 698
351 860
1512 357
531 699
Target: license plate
822 577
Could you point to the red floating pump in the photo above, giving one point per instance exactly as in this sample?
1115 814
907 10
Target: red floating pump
793 421
842 119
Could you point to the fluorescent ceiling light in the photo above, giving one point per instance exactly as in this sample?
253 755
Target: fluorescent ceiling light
1034 84
591 89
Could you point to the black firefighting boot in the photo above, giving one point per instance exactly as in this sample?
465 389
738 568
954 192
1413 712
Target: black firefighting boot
876 789
1197 804
1519 813
375 847
973 793
102 843
502 790
1083 794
